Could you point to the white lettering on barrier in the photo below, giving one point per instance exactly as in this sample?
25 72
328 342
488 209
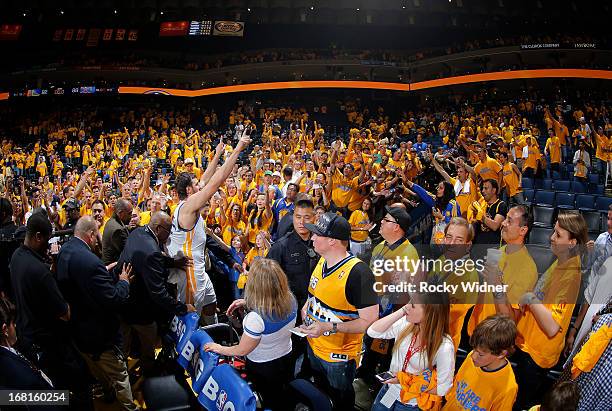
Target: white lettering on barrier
188 351
210 390
182 327
174 324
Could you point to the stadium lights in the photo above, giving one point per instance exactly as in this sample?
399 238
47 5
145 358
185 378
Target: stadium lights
311 7
115 11
249 9
161 13
357 8
62 12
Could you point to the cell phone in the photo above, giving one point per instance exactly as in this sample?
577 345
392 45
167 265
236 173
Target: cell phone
384 376
372 228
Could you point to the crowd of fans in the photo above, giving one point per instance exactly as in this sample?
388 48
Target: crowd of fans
108 234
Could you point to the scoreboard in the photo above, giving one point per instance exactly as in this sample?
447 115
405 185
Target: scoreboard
200 28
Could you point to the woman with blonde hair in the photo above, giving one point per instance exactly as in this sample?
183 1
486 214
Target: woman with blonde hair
266 341
546 313
422 345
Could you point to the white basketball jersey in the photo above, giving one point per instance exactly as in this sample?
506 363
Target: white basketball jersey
191 243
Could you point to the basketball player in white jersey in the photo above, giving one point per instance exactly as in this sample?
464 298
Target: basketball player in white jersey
188 237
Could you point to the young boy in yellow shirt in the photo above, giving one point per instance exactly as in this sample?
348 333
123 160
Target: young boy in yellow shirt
485 380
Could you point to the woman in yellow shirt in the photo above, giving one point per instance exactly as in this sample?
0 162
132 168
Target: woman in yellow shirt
260 218
531 156
232 224
361 223
41 167
260 250
547 311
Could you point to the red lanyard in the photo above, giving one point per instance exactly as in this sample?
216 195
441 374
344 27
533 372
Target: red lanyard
411 351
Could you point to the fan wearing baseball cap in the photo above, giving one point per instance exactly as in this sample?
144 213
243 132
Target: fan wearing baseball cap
341 306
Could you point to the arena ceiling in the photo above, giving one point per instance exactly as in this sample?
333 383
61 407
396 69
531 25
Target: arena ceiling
462 13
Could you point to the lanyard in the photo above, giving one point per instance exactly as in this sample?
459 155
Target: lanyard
411 351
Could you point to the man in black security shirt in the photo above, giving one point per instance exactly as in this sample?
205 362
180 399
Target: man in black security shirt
488 228
294 251
8 244
41 308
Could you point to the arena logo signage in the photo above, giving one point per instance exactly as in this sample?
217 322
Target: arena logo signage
228 28
540 46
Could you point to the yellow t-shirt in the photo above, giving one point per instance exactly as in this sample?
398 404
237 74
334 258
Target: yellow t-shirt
476 389
488 169
604 147
231 230
558 290
553 144
511 179
266 222
395 165
469 193
42 169
532 158
359 219
519 272
145 217
343 188
254 253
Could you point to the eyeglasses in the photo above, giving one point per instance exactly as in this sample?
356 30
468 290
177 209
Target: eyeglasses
389 221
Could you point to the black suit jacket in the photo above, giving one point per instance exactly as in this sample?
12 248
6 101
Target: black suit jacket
149 298
113 240
17 373
95 297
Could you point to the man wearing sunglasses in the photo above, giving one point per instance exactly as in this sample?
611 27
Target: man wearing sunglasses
149 298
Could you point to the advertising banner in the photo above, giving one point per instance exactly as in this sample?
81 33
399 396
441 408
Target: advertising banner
228 28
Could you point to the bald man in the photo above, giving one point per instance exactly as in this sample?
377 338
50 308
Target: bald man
95 297
149 299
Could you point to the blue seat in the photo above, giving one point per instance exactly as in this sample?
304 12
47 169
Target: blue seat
547 184
542 256
555 175
543 216
565 200
593 220
600 189
603 203
527 182
594 178
540 235
561 185
585 202
529 194
544 198
578 187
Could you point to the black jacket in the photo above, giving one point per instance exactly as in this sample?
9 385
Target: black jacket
95 297
294 257
149 298
17 373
